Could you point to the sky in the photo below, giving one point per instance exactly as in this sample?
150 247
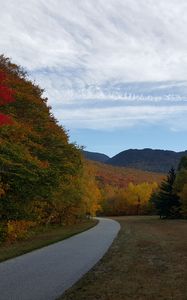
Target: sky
114 71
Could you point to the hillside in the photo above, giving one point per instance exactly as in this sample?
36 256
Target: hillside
121 189
147 159
95 156
120 177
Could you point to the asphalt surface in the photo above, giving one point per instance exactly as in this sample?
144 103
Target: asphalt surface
46 273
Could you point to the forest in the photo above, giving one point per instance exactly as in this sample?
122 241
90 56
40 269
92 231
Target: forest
44 178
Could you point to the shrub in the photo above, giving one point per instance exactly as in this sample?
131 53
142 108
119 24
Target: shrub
18 230
3 231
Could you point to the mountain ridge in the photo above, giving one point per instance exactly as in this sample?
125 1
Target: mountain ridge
96 156
147 159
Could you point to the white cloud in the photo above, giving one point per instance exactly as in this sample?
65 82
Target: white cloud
124 116
110 39
102 50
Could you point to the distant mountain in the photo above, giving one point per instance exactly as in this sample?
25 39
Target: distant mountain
100 157
147 159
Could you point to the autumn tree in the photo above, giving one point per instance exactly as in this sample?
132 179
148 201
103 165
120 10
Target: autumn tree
91 194
36 158
132 200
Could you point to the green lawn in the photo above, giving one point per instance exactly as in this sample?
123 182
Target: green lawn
41 237
147 261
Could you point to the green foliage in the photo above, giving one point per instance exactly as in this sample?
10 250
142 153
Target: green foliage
181 185
3 231
183 164
166 199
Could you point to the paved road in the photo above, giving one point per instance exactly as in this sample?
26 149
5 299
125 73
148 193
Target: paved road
46 273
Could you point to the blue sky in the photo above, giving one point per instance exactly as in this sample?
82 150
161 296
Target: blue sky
114 71
115 141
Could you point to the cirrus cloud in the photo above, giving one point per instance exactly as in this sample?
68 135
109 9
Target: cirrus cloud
95 53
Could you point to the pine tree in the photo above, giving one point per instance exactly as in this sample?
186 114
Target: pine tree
166 200
181 185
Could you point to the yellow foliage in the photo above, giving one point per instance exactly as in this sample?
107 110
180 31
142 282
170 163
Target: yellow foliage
132 200
141 192
91 192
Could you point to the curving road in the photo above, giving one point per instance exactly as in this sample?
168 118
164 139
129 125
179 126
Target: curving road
46 273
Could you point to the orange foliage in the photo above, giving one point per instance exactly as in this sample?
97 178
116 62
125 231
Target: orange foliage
123 190
121 177
17 230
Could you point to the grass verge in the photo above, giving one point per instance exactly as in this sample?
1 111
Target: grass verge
147 261
43 236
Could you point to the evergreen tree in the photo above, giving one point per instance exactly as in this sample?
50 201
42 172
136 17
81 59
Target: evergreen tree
166 200
181 185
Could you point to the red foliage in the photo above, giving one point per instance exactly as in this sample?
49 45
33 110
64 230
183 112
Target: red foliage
6 96
4 119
